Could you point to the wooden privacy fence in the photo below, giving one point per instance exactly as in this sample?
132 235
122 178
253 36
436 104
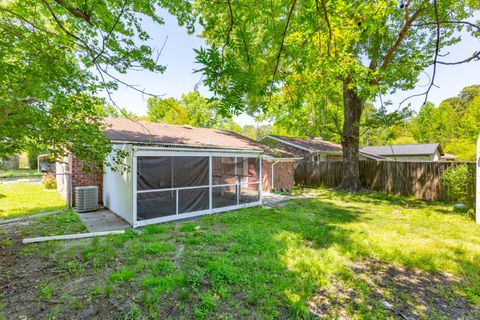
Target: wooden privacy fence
420 179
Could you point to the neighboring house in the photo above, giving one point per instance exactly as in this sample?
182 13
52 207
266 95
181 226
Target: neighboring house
179 172
315 149
449 157
408 152
11 163
45 163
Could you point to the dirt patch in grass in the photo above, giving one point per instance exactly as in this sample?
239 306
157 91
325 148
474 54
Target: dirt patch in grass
35 288
384 290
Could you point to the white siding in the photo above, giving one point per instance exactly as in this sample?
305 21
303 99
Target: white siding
118 187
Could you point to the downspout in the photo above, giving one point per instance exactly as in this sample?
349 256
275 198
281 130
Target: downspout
273 173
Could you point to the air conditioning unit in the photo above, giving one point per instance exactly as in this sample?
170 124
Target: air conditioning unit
86 199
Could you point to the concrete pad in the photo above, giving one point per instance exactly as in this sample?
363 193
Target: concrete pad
273 199
102 220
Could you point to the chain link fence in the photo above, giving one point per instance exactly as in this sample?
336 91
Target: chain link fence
26 193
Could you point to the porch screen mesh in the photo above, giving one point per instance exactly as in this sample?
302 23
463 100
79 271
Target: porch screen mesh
154 173
155 204
192 200
224 196
190 171
249 193
160 180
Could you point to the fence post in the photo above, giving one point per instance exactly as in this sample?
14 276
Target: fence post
69 189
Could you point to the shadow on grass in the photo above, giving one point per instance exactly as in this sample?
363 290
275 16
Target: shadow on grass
306 259
314 243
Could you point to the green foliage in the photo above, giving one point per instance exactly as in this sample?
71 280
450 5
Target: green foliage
191 109
49 181
122 275
231 126
18 199
57 55
460 183
32 159
308 62
455 123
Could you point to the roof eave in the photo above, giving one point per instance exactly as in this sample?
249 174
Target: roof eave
182 147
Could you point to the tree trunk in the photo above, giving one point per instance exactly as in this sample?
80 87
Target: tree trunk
352 106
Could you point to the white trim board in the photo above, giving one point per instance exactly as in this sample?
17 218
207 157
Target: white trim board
72 236
189 153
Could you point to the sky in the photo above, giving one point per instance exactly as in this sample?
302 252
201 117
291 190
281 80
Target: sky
179 58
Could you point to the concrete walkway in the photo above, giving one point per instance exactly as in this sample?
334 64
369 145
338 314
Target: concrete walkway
102 220
273 199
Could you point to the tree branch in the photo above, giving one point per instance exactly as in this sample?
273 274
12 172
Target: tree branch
143 92
75 11
60 24
437 48
401 36
231 26
104 40
474 56
327 20
245 46
283 40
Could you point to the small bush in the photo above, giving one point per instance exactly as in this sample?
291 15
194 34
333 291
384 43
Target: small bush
460 183
49 182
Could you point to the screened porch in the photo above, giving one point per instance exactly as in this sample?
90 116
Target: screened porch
176 185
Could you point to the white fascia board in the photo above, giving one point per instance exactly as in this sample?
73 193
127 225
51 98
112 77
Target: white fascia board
196 150
270 159
189 153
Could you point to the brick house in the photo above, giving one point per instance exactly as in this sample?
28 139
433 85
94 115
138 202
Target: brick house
179 172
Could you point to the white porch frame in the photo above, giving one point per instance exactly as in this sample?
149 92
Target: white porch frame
171 152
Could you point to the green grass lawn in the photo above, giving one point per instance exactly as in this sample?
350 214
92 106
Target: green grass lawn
18 173
334 255
18 199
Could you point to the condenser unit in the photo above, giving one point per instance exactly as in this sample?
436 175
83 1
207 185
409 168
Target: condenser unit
86 199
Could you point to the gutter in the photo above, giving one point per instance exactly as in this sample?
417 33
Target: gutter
273 174
197 149
270 159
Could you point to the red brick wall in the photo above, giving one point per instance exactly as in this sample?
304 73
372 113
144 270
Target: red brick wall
284 175
81 179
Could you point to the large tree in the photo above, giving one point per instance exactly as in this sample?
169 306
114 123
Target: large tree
56 55
259 49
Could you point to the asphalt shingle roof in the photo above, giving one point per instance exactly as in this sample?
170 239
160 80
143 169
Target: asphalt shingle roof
313 144
404 149
144 132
